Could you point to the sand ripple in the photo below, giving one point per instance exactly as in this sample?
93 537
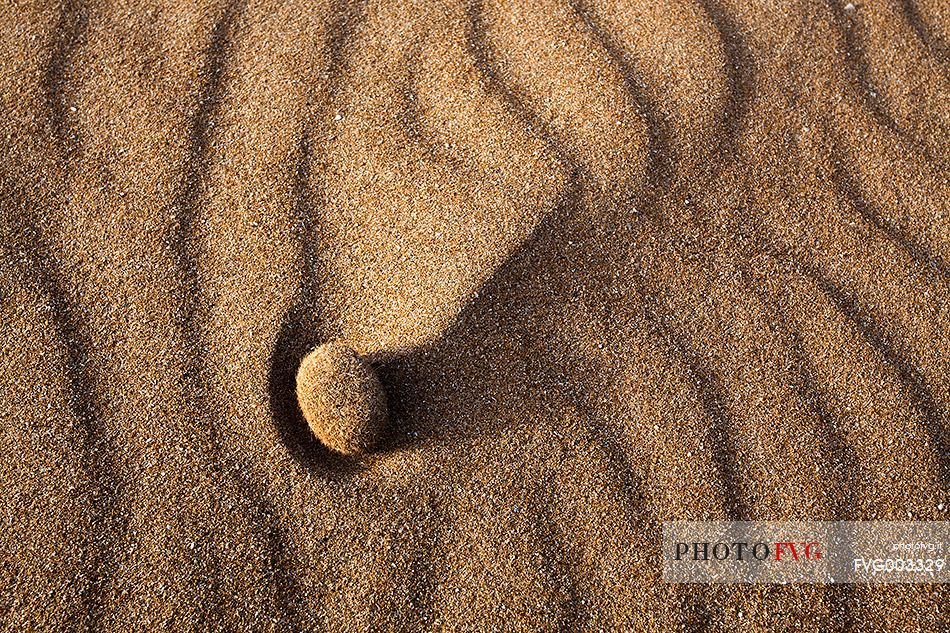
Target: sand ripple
617 262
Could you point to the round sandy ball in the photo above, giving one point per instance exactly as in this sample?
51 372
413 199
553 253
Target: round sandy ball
342 399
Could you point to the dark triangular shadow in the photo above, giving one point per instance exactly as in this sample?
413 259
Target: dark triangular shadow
462 362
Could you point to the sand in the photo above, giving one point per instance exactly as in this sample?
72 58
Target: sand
615 263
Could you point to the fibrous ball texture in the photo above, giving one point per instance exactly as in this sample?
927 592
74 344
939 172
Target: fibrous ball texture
342 399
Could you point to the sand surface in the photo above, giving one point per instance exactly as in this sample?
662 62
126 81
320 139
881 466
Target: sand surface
616 261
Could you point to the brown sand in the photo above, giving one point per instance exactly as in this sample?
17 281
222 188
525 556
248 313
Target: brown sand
617 261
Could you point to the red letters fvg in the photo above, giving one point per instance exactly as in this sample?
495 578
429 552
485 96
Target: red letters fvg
788 550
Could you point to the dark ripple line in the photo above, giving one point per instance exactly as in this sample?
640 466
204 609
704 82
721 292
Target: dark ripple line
740 75
661 157
422 581
932 40
921 395
351 17
31 254
190 195
662 173
811 399
486 63
629 484
70 34
190 313
286 586
840 598
849 189
856 61
599 430
411 116
708 386
554 567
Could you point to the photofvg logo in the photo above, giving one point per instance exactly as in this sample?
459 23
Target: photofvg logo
812 552
780 551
